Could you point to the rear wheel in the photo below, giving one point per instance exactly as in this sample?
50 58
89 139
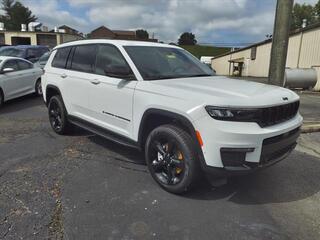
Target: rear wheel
38 88
58 115
1 98
171 158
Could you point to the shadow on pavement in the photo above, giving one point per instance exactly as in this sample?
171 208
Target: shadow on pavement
129 154
21 103
295 178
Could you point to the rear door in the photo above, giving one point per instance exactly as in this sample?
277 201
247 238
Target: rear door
111 98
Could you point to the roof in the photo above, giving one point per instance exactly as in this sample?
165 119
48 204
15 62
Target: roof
3 58
292 33
124 32
116 43
24 46
65 26
117 32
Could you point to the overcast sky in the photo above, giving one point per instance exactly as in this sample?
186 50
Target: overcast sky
212 21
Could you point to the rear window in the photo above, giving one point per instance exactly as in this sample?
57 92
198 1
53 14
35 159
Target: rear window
84 58
60 59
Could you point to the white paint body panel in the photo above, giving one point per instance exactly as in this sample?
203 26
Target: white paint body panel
185 96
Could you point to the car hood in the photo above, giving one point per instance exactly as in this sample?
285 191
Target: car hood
223 91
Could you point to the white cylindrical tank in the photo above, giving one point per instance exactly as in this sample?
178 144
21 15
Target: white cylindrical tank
55 29
1 26
23 27
304 78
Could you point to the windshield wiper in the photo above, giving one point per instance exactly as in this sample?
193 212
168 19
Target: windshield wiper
200 75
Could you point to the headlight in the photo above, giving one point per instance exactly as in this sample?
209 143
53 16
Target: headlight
233 114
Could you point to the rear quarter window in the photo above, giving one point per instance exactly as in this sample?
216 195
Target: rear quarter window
61 57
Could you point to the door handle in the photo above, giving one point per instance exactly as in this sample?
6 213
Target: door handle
63 75
95 81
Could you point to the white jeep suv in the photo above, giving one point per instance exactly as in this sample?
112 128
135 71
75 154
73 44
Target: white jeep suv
160 98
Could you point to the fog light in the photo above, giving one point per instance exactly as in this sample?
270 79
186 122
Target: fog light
234 157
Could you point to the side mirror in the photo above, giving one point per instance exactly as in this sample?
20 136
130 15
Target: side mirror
119 71
7 70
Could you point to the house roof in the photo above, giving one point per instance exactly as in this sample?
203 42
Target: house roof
65 26
116 32
292 33
124 32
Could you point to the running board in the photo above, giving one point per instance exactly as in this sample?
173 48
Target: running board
114 137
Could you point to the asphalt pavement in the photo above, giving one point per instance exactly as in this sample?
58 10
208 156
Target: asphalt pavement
82 186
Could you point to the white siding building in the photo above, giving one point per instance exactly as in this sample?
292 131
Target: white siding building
253 61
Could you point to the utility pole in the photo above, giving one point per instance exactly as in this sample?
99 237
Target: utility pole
280 41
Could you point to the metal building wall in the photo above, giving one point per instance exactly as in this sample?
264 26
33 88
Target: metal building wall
303 52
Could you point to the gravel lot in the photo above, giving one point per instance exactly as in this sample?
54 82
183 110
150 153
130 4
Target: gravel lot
84 187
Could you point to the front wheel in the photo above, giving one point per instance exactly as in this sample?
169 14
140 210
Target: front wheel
171 158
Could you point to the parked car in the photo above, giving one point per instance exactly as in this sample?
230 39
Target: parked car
160 98
18 77
29 52
42 60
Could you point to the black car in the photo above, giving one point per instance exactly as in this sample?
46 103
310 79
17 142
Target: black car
29 52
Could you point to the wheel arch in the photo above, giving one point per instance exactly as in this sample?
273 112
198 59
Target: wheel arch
153 118
51 90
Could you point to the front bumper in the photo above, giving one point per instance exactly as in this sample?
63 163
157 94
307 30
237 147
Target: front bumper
250 146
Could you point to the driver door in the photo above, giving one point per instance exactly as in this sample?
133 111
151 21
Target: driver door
111 98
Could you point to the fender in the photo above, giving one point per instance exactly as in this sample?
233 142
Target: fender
184 120
50 86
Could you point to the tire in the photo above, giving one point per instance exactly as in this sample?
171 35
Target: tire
38 88
172 159
1 98
58 116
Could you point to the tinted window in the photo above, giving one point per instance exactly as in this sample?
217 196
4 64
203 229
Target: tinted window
34 52
24 65
84 58
108 55
61 57
12 52
11 64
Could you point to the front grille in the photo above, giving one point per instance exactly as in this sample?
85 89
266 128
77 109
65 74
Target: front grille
277 114
276 147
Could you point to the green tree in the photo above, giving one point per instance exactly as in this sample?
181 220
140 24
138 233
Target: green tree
187 38
303 11
317 10
142 34
15 14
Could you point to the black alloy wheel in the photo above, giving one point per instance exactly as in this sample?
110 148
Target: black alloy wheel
58 115
171 158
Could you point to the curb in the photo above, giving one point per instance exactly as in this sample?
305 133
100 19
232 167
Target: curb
310 128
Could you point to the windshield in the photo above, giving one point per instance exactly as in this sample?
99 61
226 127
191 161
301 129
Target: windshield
12 52
156 63
44 57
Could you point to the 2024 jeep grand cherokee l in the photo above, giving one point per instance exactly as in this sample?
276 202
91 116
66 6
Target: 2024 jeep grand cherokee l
160 98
